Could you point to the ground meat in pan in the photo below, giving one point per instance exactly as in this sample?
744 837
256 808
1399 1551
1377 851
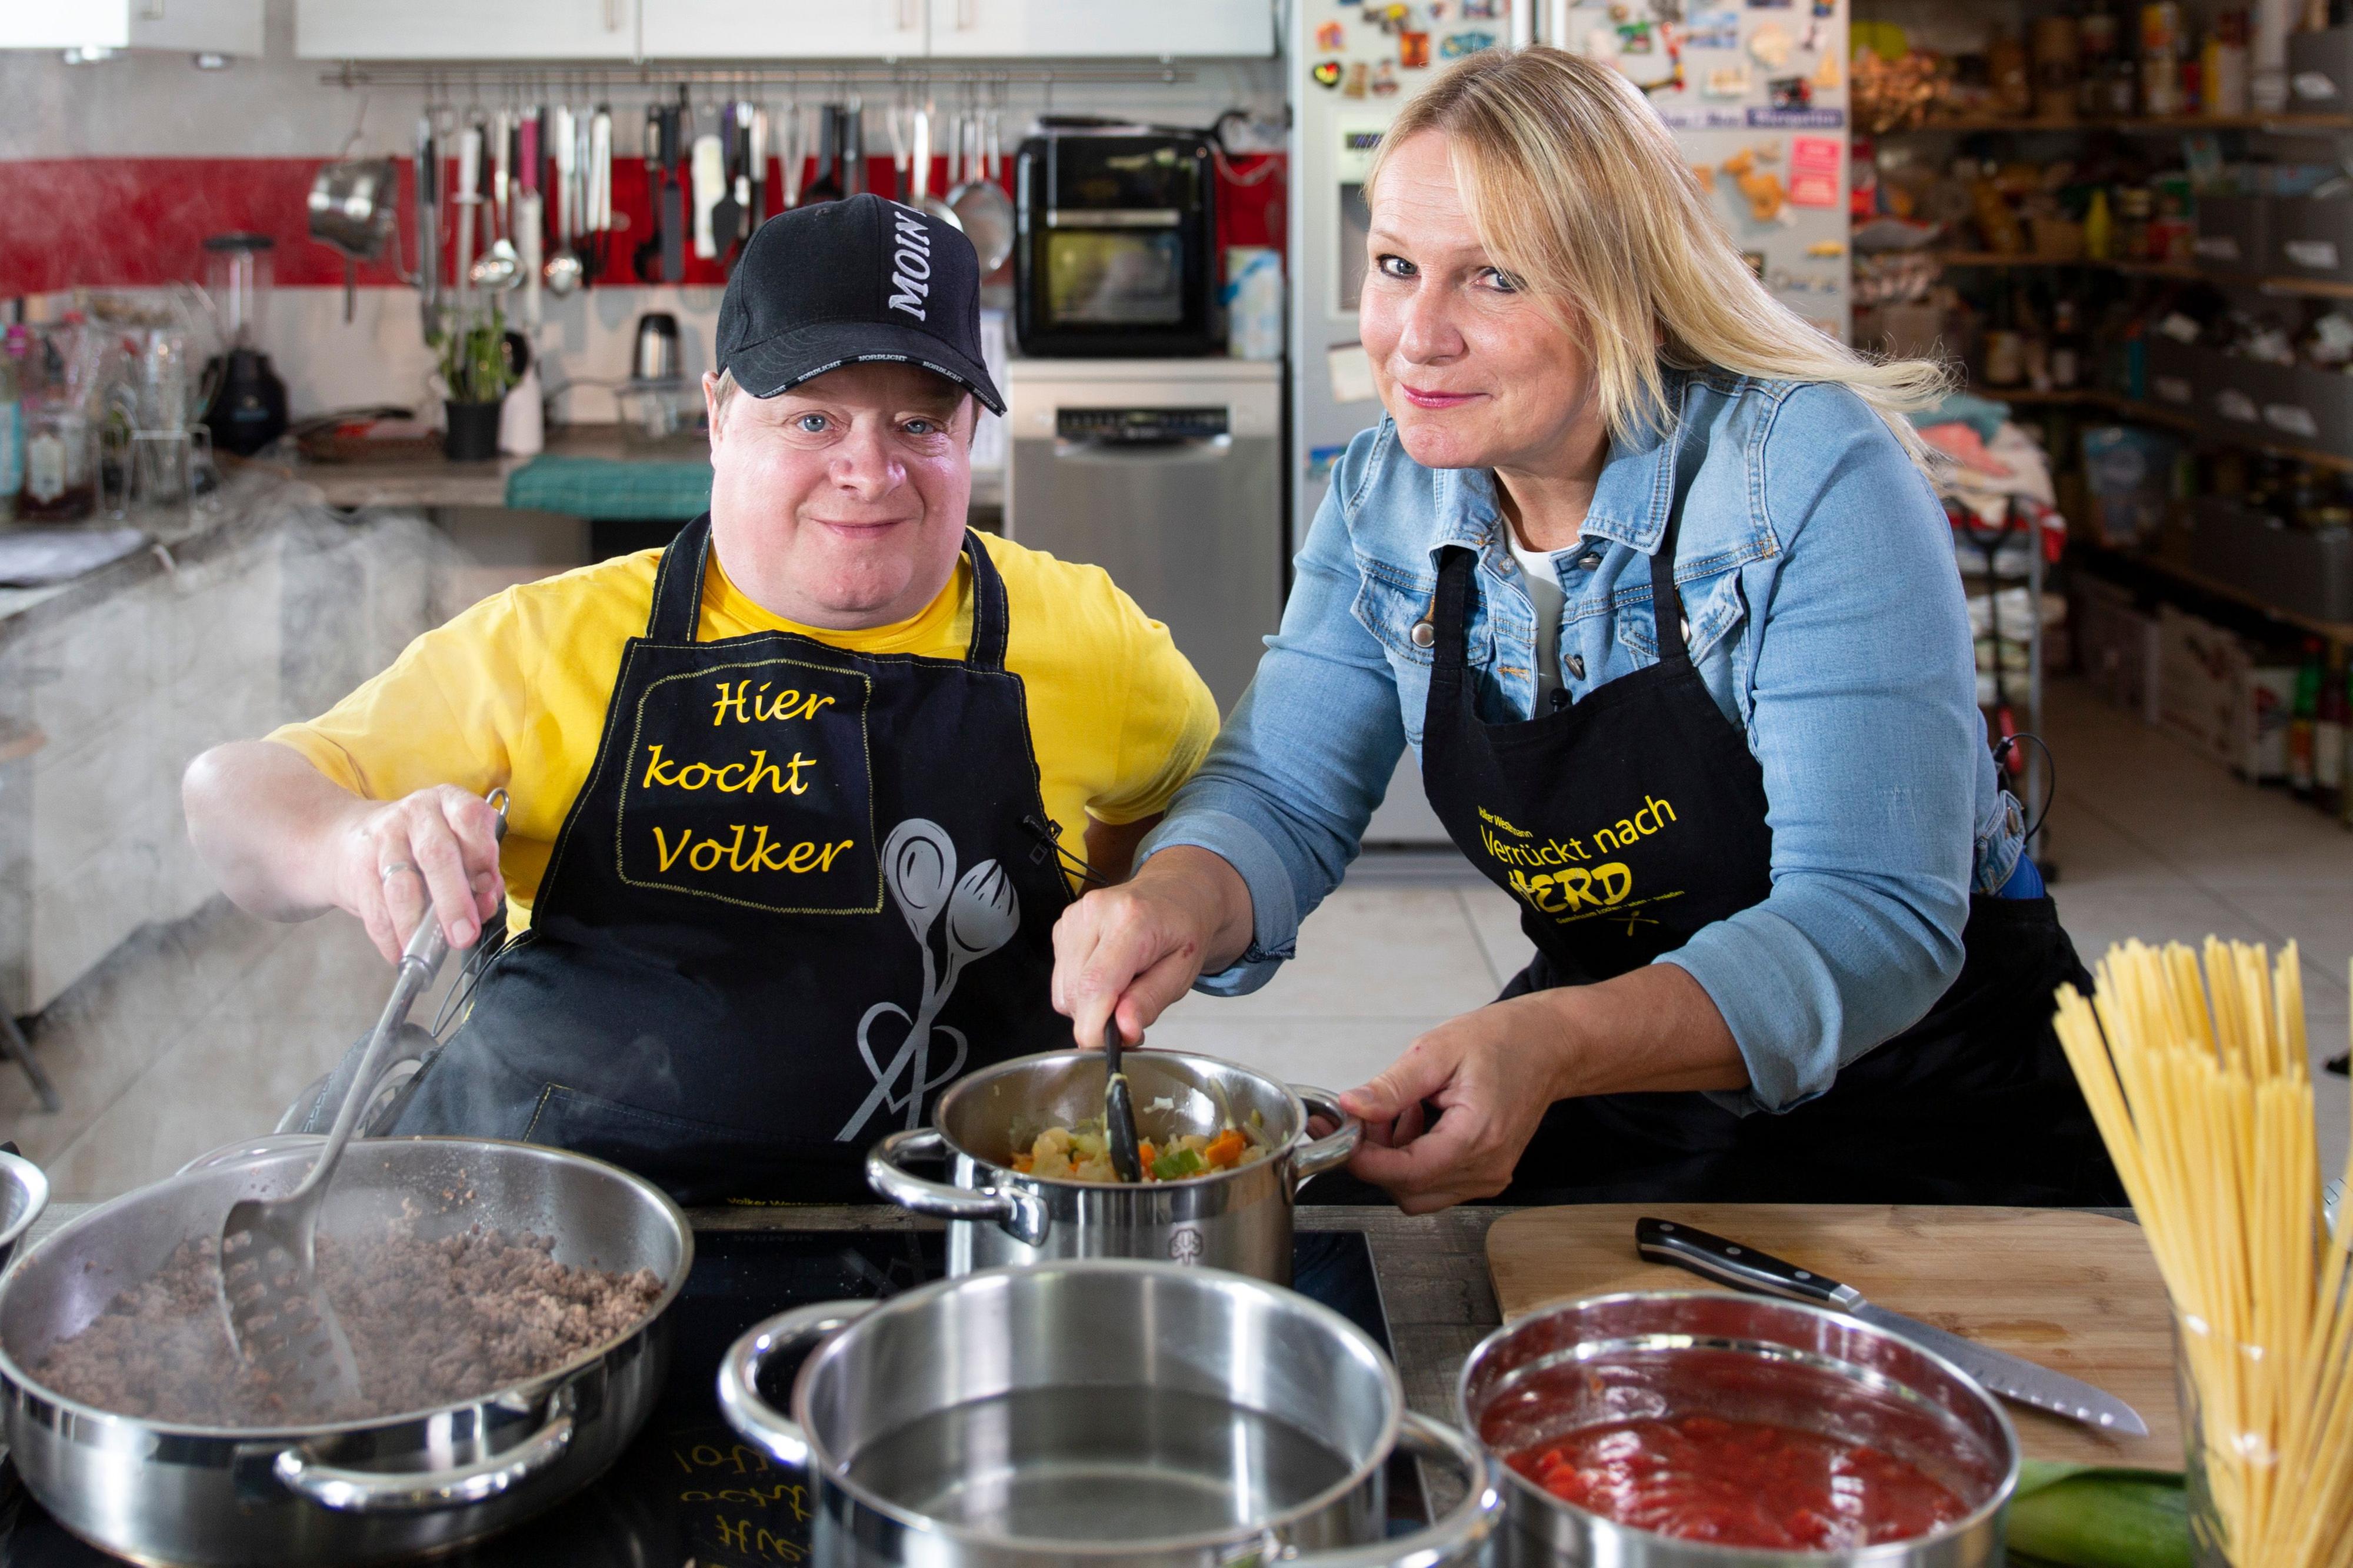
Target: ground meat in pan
431 1322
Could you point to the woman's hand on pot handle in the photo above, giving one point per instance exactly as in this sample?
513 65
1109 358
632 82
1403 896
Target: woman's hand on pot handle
1493 1073
1140 945
1490 1075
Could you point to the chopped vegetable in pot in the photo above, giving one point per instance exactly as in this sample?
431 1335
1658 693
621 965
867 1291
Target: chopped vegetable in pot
1081 1153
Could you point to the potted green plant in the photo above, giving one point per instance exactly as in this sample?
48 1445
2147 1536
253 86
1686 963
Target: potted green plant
477 375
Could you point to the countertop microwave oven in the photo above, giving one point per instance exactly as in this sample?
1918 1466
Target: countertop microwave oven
1115 245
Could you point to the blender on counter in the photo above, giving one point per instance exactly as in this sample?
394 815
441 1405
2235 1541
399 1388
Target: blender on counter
249 412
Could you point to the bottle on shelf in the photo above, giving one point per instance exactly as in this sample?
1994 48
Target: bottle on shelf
2301 719
2099 227
2160 55
2005 346
2095 36
2067 346
12 426
2328 738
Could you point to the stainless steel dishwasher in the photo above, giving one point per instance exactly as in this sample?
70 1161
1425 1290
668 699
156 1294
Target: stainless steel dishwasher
1168 475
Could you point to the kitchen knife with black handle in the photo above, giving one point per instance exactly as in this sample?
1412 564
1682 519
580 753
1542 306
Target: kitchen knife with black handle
2013 1377
675 139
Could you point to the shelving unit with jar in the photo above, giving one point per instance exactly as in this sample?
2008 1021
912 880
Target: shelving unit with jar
2130 223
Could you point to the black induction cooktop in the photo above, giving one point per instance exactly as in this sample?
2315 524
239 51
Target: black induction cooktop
689 1491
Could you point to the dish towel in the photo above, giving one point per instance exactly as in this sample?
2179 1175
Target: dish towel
604 488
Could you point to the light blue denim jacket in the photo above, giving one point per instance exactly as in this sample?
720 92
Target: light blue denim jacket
1827 619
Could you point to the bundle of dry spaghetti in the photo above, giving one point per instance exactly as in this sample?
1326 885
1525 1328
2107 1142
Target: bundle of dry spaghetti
2204 1099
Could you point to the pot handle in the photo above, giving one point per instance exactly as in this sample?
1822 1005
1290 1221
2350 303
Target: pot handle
739 1374
1335 1149
1456 1537
414 1491
1020 1215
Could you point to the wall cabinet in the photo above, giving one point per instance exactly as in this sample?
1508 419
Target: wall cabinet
771 31
1047 29
784 30
466 30
199 27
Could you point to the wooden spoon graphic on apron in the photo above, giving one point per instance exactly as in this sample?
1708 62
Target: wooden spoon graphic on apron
919 866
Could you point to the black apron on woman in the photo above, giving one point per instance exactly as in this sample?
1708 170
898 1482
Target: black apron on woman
1625 822
801 891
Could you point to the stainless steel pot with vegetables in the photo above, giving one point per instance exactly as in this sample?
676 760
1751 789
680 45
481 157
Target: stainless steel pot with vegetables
1692 1429
1101 1411
353 1490
1028 1175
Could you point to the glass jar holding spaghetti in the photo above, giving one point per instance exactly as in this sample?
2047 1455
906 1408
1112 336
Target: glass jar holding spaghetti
2202 1091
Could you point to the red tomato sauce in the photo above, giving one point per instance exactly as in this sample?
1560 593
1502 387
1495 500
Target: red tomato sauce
1740 1483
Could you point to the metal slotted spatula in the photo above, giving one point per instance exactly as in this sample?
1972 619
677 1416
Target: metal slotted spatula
278 1315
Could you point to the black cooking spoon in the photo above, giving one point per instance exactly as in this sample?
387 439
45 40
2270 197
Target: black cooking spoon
1119 1110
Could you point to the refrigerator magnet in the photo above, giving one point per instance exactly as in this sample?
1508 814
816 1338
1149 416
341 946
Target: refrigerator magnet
1350 369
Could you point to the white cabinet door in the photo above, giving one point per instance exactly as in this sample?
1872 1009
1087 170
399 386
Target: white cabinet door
466 30
201 27
784 30
1083 28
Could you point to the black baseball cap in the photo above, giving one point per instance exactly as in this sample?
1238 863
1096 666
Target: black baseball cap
850 281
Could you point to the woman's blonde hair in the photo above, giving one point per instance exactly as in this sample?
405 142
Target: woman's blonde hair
1578 191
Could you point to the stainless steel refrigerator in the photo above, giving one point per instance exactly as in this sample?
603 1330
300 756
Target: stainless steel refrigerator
1756 93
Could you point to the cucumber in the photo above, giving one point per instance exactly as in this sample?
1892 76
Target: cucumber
2085 1517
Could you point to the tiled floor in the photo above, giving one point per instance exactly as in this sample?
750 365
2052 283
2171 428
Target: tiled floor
199 1033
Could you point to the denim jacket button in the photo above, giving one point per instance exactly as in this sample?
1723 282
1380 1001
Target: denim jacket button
1589 560
1576 666
1423 633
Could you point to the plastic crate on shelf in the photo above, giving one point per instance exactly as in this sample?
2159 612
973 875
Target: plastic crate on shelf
2233 233
2307 572
2312 237
2320 70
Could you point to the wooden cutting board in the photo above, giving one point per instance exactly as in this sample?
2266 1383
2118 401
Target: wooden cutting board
2078 1293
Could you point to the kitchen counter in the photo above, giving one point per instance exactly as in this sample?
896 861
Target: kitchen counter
251 500
437 482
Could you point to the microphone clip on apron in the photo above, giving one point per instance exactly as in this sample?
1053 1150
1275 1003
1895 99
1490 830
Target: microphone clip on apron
1625 823
802 890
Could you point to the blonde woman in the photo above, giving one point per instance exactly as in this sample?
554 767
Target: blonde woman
1788 945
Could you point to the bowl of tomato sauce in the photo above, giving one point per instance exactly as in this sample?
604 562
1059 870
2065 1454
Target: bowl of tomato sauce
1694 1429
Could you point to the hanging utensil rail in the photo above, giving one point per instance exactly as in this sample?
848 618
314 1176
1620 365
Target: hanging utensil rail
662 82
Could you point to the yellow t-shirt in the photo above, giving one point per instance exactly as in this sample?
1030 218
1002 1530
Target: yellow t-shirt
513 691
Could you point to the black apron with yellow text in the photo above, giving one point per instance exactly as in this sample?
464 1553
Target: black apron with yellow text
801 891
1623 824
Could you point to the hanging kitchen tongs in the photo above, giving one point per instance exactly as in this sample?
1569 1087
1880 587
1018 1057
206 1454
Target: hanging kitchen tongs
278 1316
1119 1107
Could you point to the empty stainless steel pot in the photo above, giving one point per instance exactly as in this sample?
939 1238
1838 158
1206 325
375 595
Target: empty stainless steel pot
353 1492
1239 1219
1669 1353
1101 1411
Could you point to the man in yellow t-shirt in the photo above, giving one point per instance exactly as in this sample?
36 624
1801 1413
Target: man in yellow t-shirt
795 802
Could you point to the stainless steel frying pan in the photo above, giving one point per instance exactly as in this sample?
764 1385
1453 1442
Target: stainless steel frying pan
354 1492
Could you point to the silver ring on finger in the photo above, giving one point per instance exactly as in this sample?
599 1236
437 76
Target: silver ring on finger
396 868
